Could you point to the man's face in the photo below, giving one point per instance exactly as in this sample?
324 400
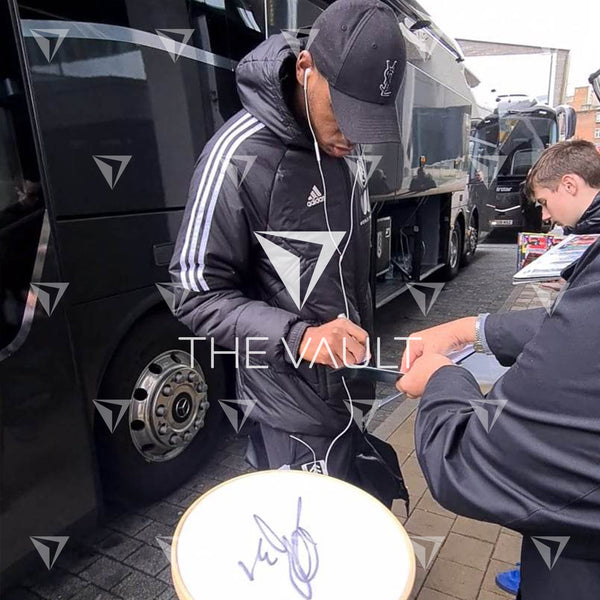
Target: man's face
329 136
559 205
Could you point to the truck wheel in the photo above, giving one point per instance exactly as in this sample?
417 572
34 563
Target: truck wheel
171 425
454 253
471 241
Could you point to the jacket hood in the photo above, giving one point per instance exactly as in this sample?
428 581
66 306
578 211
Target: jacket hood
590 219
259 81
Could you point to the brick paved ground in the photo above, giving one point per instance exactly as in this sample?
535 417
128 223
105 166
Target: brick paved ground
124 558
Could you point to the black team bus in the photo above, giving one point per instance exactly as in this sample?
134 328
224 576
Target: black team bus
504 147
104 108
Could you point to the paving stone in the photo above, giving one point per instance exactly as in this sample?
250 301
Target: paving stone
138 585
487 532
95 536
510 532
429 594
202 484
164 512
487 595
77 557
150 533
416 486
20 593
427 524
454 579
106 572
399 508
404 436
489 580
411 467
420 576
57 584
168 595
165 575
401 453
148 559
235 462
91 592
118 546
180 496
466 551
129 524
428 503
508 548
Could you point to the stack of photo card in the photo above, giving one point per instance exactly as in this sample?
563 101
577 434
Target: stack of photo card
550 264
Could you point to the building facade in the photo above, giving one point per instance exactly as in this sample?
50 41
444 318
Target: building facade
587 107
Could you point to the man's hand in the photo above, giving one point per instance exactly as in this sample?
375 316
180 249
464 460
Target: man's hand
336 334
440 339
414 382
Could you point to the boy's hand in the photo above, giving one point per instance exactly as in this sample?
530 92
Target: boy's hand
413 383
440 339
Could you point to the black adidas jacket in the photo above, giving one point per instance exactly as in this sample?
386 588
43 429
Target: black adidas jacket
255 219
536 468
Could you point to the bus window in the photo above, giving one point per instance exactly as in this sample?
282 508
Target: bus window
292 15
123 112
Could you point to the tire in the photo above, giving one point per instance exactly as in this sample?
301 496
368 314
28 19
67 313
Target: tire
134 468
471 241
452 266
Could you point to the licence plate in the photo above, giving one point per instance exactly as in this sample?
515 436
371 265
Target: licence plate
502 222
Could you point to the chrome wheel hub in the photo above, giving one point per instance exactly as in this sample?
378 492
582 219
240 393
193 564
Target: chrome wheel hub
168 406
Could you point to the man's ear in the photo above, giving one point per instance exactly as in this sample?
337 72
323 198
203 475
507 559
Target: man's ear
303 62
571 183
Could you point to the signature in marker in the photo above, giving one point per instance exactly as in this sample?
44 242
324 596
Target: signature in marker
299 548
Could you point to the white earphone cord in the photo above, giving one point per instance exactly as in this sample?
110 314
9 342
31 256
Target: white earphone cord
340 260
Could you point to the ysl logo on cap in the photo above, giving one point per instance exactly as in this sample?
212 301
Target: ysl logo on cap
387 78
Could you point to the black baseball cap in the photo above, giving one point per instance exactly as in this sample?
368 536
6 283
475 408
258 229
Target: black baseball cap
357 45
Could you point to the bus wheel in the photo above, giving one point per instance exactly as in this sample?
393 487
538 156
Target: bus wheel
471 241
171 424
454 253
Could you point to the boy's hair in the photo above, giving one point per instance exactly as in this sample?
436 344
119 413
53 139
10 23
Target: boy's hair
573 156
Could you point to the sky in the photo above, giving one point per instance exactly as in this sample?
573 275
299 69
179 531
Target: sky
573 25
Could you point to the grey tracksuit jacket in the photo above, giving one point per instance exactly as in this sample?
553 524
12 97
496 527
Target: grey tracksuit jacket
537 470
249 246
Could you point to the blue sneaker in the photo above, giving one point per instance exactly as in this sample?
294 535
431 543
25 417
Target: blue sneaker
509 581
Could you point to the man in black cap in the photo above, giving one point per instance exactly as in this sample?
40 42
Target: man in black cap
273 262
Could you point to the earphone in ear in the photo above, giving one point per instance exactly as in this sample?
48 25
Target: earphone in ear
316 145
306 72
